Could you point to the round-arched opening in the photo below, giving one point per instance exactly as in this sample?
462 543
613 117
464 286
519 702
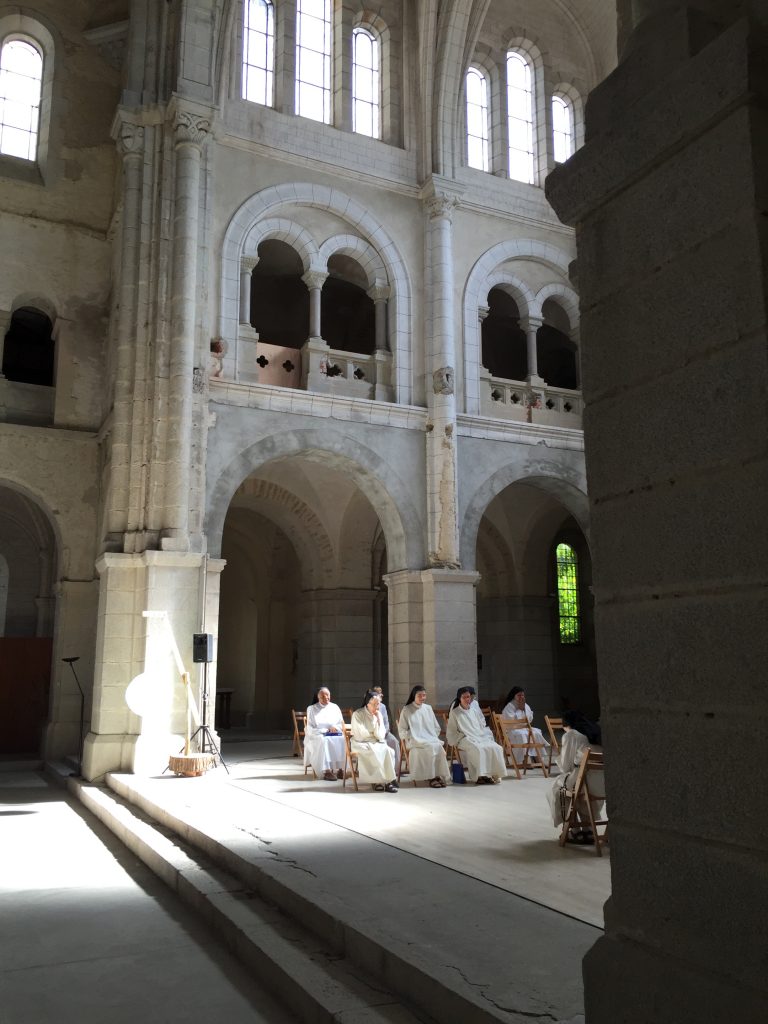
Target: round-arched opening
556 352
279 297
302 597
28 553
503 340
535 625
347 312
28 351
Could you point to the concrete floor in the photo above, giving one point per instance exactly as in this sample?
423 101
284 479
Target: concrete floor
90 936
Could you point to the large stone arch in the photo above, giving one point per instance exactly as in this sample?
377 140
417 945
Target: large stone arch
267 204
571 497
399 518
486 269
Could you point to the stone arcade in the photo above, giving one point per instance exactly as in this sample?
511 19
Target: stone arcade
292 352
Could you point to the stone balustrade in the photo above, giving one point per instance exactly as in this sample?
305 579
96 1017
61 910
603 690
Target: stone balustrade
32 404
530 403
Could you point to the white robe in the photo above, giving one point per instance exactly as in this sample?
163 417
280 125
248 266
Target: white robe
572 751
324 753
521 735
375 761
420 731
467 731
392 741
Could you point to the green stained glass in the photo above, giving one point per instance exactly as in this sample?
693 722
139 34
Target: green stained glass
568 594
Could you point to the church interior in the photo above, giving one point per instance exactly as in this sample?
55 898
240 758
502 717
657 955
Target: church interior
387 345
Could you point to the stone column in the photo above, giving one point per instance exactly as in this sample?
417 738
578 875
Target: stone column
314 280
247 265
668 197
130 145
442 499
190 133
5 323
380 295
531 325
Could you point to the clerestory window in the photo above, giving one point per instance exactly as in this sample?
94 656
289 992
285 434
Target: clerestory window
568 606
21 77
258 51
366 118
313 59
520 116
562 128
477 120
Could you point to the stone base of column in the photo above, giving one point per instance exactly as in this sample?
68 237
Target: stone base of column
432 632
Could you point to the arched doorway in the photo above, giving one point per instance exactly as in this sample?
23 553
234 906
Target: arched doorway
27 571
521 641
302 601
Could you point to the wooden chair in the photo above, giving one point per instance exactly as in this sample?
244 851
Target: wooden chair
299 732
529 744
350 760
404 760
553 725
592 762
346 714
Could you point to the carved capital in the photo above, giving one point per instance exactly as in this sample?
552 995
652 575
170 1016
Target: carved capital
314 279
379 292
530 323
441 206
248 264
198 380
130 139
191 129
482 312
442 381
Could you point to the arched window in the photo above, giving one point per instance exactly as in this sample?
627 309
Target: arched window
313 59
568 610
477 120
21 77
28 350
258 51
520 116
365 84
562 127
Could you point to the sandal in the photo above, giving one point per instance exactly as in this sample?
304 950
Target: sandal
436 784
390 788
378 788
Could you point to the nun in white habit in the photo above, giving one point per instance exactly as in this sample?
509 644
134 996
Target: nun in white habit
375 762
579 735
467 731
516 707
420 731
392 741
324 737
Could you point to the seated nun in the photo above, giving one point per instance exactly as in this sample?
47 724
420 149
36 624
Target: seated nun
516 707
375 761
579 735
392 740
467 731
420 732
324 747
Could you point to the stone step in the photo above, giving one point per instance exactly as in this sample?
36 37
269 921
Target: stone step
290 961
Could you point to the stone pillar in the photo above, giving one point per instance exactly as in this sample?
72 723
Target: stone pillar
380 295
247 266
668 197
190 132
531 325
314 280
130 145
5 323
432 633
442 499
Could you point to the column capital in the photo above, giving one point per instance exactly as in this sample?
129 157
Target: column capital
129 137
379 292
531 323
483 312
441 206
191 129
314 279
248 264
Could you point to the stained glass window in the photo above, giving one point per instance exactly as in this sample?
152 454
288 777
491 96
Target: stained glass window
569 614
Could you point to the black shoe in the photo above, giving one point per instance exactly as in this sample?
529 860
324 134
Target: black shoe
390 788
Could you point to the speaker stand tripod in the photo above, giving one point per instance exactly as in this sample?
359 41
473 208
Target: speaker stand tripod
202 733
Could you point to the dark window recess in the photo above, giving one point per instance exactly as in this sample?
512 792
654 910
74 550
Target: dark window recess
556 355
347 317
358 374
279 298
504 344
29 347
332 370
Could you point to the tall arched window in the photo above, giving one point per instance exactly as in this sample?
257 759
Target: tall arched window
313 59
477 120
520 116
365 84
562 127
21 76
258 51
568 610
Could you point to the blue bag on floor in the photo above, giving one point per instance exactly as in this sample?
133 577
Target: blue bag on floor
457 772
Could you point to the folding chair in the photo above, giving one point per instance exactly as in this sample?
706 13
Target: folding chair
592 763
346 714
553 725
350 759
299 732
509 747
404 759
